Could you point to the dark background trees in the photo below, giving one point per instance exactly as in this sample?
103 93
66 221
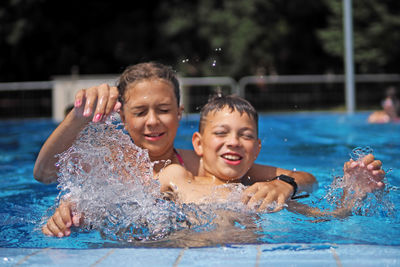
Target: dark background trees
42 38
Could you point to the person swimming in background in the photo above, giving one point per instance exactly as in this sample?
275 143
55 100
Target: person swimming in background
147 98
391 108
227 143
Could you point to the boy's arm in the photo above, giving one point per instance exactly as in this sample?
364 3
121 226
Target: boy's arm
95 100
266 190
360 177
305 181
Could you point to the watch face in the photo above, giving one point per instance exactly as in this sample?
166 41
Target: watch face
286 178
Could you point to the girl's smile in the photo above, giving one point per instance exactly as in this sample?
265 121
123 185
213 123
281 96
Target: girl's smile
151 116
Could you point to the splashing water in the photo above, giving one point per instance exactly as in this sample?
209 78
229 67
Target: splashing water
360 152
360 183
110 181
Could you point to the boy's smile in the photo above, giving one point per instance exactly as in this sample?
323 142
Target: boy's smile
232 158
228 144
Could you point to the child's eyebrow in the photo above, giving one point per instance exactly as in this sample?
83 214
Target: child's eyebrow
221 125
164 104
247 128
227 126
137 107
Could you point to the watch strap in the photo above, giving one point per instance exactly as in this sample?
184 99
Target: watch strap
289 180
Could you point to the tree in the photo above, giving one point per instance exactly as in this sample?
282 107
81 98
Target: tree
246 37
376 26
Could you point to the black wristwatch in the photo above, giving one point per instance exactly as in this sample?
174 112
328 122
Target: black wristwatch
289 180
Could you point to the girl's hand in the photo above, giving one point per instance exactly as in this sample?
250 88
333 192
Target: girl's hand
96 102
61 222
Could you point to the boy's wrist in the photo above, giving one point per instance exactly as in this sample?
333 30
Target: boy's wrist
288 180
292 182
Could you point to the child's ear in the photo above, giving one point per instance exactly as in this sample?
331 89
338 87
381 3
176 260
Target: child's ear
197 144
180 112
258 146
122 115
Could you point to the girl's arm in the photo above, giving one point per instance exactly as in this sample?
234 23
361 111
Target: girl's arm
92 104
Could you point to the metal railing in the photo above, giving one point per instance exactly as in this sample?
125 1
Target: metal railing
19 86
72 84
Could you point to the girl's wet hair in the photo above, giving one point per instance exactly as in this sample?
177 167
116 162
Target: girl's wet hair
233 102
147 71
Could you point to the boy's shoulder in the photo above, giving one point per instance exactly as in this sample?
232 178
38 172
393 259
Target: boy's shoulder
173 172
176 168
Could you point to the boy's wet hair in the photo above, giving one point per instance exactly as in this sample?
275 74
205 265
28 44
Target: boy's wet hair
233 102
147 71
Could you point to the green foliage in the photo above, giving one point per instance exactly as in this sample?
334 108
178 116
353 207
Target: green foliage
42 38
376 26
245 37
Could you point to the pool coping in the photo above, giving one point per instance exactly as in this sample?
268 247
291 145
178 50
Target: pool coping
231 255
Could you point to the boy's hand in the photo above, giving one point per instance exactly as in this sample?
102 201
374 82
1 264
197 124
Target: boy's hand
364 175
270 196
96 102
62 220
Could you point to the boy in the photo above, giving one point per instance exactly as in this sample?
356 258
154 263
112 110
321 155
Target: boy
228 144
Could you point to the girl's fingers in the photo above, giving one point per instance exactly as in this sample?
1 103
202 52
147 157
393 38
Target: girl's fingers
65 212
53 228
112 100
80 95
91 100
58 220
76 219
103 91
46 231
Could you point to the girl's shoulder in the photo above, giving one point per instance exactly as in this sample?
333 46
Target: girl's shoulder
190 160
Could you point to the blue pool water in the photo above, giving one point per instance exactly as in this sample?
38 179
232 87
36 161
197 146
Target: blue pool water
315 142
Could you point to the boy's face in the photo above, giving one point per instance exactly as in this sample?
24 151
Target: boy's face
228 144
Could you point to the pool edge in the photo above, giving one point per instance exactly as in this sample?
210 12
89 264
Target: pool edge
233 255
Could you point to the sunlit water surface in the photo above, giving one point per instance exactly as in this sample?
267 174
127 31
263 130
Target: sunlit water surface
125 213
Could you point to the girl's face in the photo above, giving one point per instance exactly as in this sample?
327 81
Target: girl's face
228 145
151 116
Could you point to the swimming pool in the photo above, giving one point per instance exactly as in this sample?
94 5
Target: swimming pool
315 142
